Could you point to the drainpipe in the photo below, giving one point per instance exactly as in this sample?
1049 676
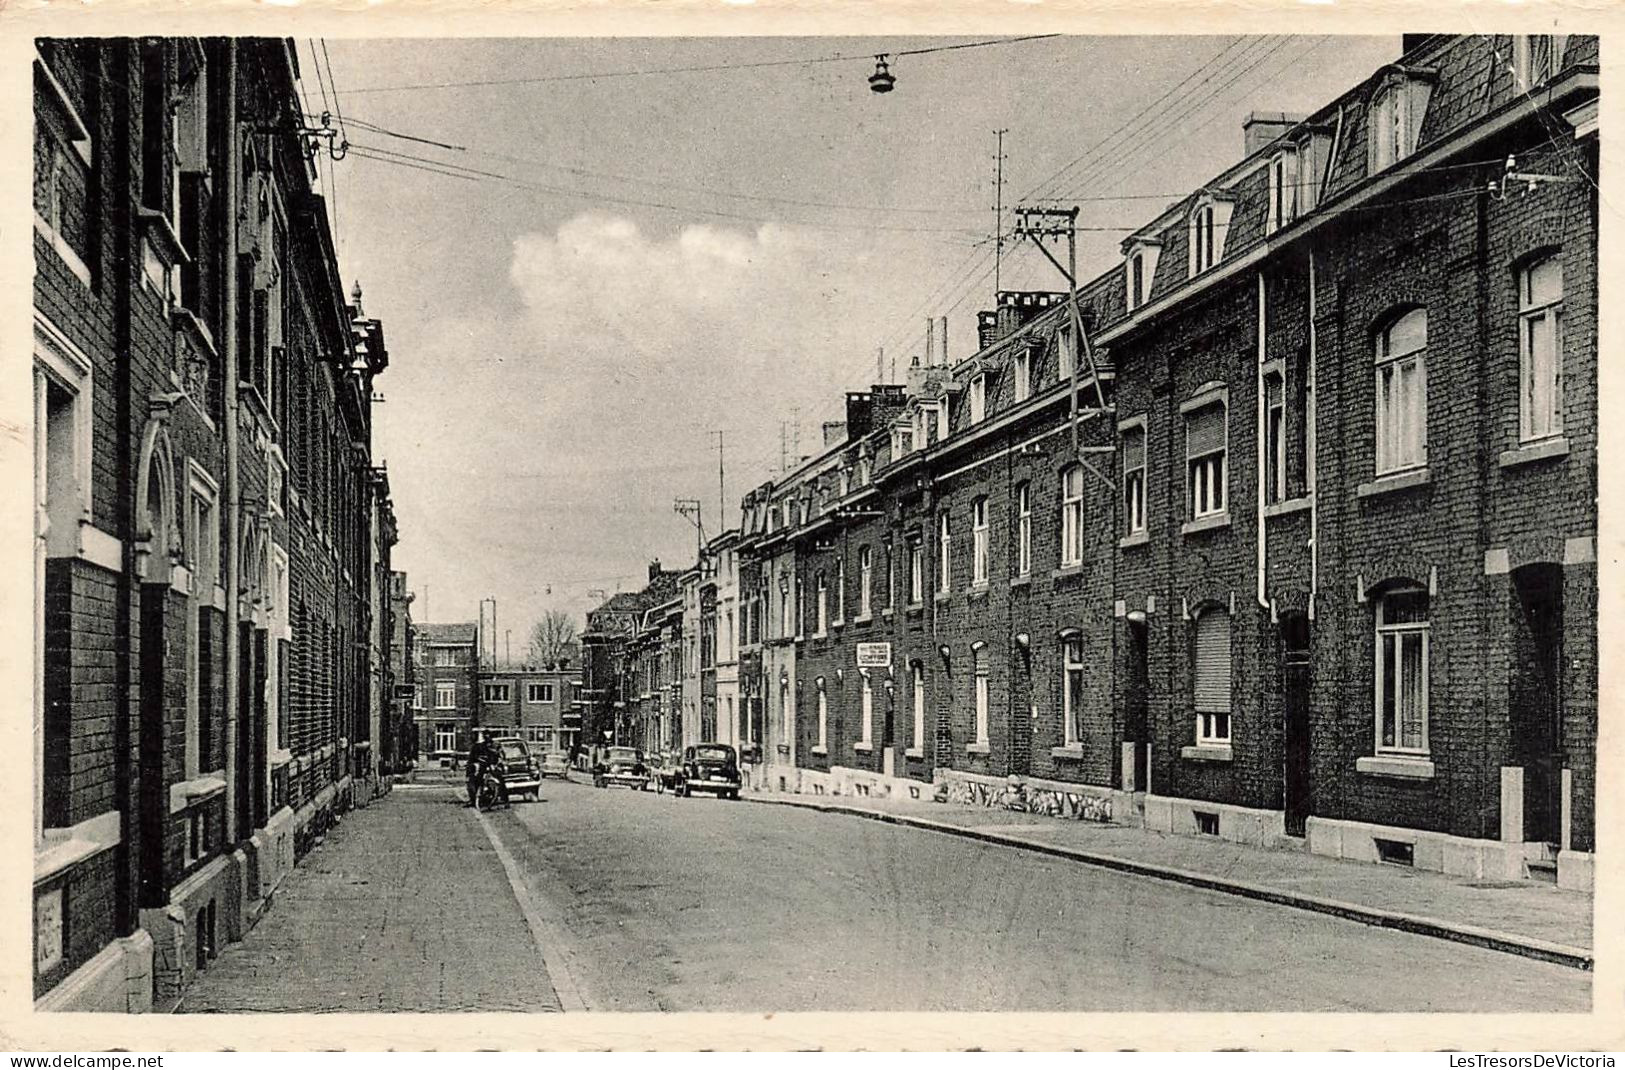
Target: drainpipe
1258 438
1311 446
229 390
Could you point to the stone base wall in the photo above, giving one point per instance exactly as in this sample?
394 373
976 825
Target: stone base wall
117 980
1457 856
860 783
1238 824
213 893
1032 795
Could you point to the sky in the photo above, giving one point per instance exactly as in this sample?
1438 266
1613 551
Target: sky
631 258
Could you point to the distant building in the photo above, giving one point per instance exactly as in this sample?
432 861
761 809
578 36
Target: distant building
404 694
447 698
532 703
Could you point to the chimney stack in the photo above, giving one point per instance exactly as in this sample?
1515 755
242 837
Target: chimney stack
945 358
930 341
1263 127
654 570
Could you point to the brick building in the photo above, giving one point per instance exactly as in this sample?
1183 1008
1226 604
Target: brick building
1292 543
203 508
530 703
614 646
405 698
447 664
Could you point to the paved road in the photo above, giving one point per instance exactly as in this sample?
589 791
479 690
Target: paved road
698 904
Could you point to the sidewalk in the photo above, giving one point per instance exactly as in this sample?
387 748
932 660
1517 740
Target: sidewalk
1525 918
405 907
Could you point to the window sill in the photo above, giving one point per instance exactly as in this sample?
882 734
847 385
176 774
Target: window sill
863 618
64 848
1206 523
1549 449
942 596
820 750
1071 752
74 262
1208 752
976 592
863 748
915 612
1021 581
158 223
888 613
1067 570
1291 505
1139 538
978 748
1416 477
1392 765
914 752
190 792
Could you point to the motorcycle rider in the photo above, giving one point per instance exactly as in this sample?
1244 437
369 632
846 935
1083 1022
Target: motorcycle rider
477 762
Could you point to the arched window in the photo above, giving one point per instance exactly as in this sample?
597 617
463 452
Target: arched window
1210 677
868 723
1402 672
1024 529
979 676
865 576
1071 687
1402 394
823 717
919 707
1540 350
1072 516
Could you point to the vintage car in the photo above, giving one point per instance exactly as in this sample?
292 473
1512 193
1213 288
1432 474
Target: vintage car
556 763
664 772
519 772
712 767
621 765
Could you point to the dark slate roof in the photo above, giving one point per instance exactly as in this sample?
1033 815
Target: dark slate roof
465 632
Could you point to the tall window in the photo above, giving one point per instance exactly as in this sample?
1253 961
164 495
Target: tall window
978 576
840 589
919 708
916 572
786 627
1395 113
944 556
1071 687
1072 516
891 572
1024 530
1540 350
978 399
979 675
1536 58
1210 684
823 716
784 708
1274 438
1136 281
1205 447
1402 396
867 725
1066 353
1022 375
1134 479
445 695
823 607
1203 247
203 535
1283 190
1402 672
865 573
445 738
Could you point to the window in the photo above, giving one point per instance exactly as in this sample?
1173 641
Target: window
902 441
979 676
538 692
801 606
891 573
1210 682
1536 58
867 725
1203 243
840 590
445 657
978 399
865 570
1396 119
1274 438
823 716
62 156
1540 350
445 738
916 572
1402 672
498 693
786 612
203 550
1072 516
1136 281
978 575
1071 687
1205 443
784 708
1141 269
1134 479
919 708
864 467
445 695
1024 530
1022 375
1066 356
1402 393
944 552
1283 191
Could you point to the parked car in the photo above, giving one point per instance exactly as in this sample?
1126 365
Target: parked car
712 767
664 772
519 771
556 763
623 766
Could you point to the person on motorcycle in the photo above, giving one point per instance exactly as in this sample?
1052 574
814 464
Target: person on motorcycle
477 762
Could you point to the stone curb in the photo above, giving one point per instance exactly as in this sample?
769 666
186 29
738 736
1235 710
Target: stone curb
1509 943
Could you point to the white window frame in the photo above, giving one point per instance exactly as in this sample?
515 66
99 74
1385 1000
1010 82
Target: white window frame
1540 419
1396 632
1523 58
822 620
823 716
865 576
979 543
1024 529
1072 516
1071 701
916 572
202 542
945 538
495 692
1275 435
919 708
1134 281
1204 240
445 695
1021 374
1213 477
786 610
1134 477
980 686
1283 195
445 738
539 692
1066 357
867 723
840 589
1209 719
978 399
1402 436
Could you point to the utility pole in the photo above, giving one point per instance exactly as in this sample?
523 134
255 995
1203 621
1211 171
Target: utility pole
795 436
783 445
722 484
507 648
998 208
691 508
880 364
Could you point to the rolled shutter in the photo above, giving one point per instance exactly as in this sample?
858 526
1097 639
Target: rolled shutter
1211 678
1204 431
1133 449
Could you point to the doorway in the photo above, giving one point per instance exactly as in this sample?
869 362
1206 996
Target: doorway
1295 743
1535 696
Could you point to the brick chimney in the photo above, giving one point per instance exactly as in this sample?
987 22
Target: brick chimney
834 432
1263 127
654 570
860 409
1015 309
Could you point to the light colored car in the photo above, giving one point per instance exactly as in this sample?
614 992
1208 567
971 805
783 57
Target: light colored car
556 763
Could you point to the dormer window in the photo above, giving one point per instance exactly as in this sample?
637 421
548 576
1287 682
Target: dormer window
1066 355
1283 191
978 399
1139 268
1396 118
1536 58
1022 374
1204 243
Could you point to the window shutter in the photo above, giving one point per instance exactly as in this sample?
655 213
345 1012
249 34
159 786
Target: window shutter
1211 680
1204 431
1133 449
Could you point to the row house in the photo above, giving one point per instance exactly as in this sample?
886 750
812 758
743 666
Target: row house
531 703
446 694
203 508
402 726
1284 532
613 710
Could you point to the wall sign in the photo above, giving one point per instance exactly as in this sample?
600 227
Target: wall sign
874 655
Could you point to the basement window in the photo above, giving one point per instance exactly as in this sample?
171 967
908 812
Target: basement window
1207 822
1395 852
